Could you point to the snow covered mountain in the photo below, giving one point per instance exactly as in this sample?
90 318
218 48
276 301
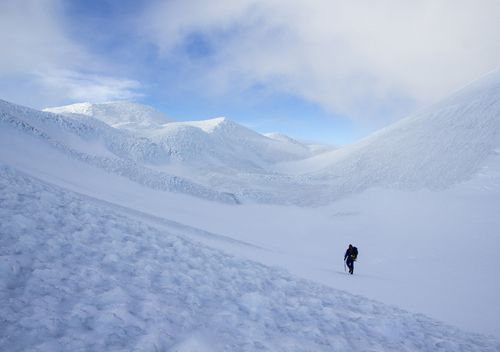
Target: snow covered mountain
114 227
223 144
215 144
438 147
41 140
118 114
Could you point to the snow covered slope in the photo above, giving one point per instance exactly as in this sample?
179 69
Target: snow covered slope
78 275
217 144
223 144
436 148
152 286
32 138
119 114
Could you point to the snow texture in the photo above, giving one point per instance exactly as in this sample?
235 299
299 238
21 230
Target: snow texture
78 275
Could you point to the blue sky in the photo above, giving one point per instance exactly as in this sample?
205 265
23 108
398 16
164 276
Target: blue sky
327 71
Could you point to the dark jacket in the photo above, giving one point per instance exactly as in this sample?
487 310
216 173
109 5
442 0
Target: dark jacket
352 252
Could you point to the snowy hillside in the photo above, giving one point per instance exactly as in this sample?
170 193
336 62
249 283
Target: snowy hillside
216 144
114 227
35 139
436 148
78 275
221 143
120 114
440 146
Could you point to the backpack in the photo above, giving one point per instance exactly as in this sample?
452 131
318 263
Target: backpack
354 253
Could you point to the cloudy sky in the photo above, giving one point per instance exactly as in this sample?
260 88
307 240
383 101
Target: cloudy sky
325 70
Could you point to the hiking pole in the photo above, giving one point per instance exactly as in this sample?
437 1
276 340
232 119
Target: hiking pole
344 267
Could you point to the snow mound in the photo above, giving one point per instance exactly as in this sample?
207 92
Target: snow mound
90 278
118 114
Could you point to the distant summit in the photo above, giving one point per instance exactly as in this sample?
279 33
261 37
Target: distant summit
118 114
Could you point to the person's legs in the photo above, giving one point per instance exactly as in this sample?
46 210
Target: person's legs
350 265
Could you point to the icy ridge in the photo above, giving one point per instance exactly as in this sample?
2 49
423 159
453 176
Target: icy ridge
87 278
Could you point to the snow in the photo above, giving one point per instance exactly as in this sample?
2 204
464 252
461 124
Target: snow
185 140
419 152
206 235
79 275
436 148
407 228
45 134
220 144
119 114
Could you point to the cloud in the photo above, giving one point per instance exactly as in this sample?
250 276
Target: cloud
359 58
79 86
32 37
42 65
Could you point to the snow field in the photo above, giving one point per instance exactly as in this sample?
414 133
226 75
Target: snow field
75 276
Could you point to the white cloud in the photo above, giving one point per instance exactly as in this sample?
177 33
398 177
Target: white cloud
354 57
78 86
42 65
32 38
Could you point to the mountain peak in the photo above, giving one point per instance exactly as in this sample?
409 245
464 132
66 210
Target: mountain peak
216 124
119 114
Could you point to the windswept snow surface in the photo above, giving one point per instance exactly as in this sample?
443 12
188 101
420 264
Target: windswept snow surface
78 275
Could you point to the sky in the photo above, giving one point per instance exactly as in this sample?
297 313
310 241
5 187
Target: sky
329 71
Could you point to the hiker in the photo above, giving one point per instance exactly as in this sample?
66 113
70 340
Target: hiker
350 257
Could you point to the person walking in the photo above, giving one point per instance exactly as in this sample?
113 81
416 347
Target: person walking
350 257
